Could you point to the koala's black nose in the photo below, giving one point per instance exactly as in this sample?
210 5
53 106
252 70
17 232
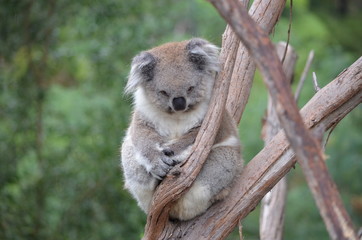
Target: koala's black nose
179 103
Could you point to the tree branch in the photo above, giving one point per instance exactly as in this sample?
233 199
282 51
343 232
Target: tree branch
315 83
304 75
266 13
307 149
273 203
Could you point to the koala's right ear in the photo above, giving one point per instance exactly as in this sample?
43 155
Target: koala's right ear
204 55
142 69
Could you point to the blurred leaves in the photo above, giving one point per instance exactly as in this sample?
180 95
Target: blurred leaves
63 65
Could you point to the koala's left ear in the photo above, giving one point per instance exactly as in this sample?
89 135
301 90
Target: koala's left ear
142 69
203 54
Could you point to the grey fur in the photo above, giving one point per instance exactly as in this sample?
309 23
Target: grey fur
172 86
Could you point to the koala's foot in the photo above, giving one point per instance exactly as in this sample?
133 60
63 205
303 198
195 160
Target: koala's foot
193 203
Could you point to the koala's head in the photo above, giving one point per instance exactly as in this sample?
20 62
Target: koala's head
174 77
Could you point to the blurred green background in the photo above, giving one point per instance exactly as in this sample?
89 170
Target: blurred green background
63 66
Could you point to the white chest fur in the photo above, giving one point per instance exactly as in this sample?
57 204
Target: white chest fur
169 125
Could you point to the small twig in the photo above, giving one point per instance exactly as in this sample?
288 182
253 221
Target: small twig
304 75
289 29
330 132
240 230
315 83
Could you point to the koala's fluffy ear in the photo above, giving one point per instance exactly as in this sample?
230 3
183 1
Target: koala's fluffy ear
142 69
203 54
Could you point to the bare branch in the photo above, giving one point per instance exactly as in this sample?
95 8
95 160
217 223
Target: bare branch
289 29
241 231
266 13
304 75
315 83
329 134
272 205
309 152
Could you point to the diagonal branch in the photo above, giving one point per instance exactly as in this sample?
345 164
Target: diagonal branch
271 219
304 75
307 149
266 13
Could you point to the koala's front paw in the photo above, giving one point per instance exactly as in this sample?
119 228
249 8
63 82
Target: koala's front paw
176 150
164 164
181 155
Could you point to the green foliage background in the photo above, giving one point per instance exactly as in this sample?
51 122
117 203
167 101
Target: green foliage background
63 66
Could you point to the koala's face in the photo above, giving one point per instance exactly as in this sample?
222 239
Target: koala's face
175 77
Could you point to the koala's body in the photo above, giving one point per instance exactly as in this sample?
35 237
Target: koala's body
172 86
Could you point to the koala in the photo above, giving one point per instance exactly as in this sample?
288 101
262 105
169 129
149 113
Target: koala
172 86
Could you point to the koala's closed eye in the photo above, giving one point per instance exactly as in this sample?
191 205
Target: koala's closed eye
190 89
164 93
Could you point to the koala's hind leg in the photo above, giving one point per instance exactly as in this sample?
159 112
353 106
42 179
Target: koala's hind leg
193 203
212 184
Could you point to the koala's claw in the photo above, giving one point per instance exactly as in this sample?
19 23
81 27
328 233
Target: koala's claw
163 167
169 161
160 172
168 152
